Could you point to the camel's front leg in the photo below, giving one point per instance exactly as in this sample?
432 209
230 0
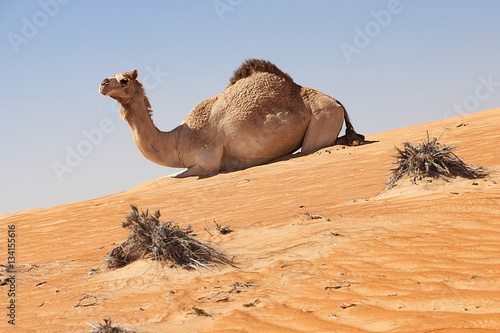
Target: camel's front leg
203 161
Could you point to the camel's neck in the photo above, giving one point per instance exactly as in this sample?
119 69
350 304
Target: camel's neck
157 146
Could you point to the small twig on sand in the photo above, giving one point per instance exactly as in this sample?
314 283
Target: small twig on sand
317 217
87 303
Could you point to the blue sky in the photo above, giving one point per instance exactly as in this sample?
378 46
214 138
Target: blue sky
391 63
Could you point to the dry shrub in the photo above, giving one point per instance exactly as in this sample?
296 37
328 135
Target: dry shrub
165 242
431 159
107 328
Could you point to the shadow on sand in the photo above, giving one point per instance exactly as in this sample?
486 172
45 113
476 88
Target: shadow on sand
340 142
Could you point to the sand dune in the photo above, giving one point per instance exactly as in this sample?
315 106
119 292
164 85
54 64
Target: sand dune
316 250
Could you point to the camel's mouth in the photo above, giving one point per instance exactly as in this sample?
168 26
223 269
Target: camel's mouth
104 87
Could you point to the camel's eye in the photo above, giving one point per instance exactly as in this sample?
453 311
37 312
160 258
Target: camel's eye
123 81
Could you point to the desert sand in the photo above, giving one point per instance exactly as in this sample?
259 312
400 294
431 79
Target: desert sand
316 249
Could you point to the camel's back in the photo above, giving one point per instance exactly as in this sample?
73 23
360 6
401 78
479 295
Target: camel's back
260 117
257 92
256 95
247 99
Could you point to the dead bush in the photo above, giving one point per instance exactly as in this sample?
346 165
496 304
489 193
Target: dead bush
164 242
431 159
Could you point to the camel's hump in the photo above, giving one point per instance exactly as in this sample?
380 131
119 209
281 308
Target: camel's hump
251 66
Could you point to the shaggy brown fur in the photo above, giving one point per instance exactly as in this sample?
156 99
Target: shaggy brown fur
251 66
142 93
198 117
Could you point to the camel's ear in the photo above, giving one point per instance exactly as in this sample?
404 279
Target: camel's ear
134 74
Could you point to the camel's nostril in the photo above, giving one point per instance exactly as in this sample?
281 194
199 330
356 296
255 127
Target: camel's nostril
105 82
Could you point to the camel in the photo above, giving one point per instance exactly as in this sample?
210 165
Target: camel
260 116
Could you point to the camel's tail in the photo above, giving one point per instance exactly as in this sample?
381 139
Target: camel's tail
351 137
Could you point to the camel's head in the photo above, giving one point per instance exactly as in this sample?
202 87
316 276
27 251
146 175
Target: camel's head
121 87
